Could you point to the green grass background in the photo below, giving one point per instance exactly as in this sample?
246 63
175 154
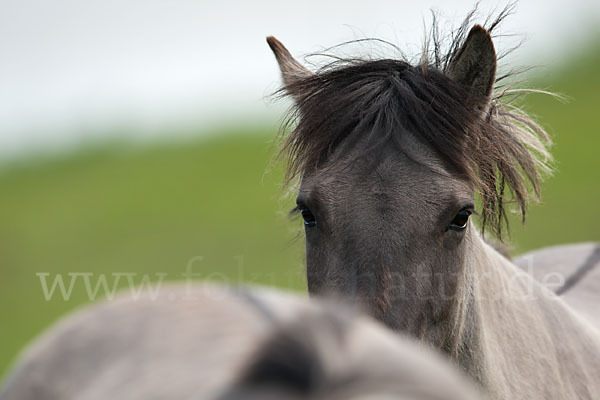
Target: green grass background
150 209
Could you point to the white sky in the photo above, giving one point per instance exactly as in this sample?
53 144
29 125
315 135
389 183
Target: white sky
72 69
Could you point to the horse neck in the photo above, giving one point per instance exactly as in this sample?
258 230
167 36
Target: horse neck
508 325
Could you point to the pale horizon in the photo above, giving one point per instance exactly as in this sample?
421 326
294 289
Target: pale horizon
73 71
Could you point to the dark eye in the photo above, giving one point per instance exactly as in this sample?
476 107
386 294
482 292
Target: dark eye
460 221
309 219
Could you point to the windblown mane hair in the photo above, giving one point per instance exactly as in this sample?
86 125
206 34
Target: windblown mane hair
500 150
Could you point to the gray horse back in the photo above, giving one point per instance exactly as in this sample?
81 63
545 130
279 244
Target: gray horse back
572 271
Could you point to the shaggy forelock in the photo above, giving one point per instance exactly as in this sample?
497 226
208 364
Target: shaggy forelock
499 149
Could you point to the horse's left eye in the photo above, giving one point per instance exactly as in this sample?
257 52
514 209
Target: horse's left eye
309 218
460 221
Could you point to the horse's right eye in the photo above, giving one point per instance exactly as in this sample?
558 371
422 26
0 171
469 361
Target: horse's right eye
309 219
460 221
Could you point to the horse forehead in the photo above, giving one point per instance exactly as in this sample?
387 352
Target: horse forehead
400 169
397 176
408 165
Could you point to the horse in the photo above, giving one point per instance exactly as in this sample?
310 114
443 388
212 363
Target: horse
390 159
571 272
215 342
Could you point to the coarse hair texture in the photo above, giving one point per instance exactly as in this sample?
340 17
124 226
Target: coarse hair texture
498 148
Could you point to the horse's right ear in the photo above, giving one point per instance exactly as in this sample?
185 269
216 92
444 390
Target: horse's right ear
291 70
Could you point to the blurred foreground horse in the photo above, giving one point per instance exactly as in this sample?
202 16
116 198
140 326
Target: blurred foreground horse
389 158
218 343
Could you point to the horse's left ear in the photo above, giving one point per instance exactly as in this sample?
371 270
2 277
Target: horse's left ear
474 66
291 70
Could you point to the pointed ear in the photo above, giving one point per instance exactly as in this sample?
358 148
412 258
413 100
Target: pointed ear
474 65
291 70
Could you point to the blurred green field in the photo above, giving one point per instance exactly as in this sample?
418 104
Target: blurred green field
570 207
149 210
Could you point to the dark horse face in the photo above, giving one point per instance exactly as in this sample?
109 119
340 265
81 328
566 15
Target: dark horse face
384 197
388 231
